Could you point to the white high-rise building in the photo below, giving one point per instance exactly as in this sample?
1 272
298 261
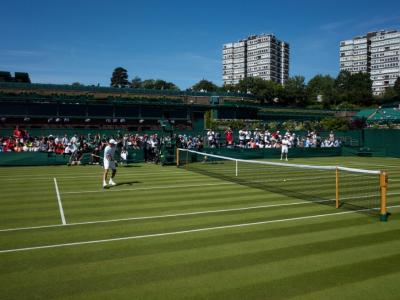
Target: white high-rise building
261 56
376 53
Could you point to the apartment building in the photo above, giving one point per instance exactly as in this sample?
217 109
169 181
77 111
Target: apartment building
376 53
261 56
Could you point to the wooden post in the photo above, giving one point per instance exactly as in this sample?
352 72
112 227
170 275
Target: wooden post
337 188
383 187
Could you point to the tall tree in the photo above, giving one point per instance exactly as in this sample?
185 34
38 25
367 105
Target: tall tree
22 77
148 84
354 88
205 86
294 91
136 83
321 88
396 86
228 88
160 84
246 85
269 91
119 78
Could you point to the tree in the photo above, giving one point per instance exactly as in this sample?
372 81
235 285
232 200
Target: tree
246 85
321 89
268 91
396 86
335 123
22 77
148 84
136 83
164 85
119 78
76 83
5 76
204 86
354 88
294 91
228 88
361 88
263 90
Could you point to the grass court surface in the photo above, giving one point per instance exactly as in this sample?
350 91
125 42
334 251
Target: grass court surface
168 233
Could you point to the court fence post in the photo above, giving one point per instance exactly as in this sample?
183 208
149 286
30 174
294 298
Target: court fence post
383 189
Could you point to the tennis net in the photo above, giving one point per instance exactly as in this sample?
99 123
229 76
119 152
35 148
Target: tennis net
351 188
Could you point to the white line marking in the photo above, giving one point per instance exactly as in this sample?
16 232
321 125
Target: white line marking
183 231
166 216
177 215
16 178
59 202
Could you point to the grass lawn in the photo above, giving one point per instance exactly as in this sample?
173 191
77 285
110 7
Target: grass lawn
169 233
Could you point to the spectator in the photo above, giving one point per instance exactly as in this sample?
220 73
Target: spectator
229 138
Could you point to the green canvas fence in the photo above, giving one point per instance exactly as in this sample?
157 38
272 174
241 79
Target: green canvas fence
47 159
386 141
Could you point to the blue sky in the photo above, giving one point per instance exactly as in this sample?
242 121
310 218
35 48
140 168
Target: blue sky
63 41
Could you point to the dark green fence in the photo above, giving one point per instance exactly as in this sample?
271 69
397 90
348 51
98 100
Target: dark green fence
386 141
47 159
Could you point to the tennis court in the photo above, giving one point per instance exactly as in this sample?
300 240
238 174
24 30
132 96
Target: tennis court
170 233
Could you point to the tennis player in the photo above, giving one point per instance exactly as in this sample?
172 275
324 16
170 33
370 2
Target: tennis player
285 147
109 163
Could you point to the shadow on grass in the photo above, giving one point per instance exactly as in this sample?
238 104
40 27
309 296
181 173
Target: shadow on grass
127 183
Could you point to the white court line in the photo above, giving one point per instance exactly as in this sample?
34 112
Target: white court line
59 202
183 231
17 178
166 216
177 215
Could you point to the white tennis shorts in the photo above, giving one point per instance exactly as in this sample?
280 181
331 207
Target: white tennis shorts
284 149
109 164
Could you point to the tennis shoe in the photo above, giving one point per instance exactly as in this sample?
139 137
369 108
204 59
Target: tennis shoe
112 183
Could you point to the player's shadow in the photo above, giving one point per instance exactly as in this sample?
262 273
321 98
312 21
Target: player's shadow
129 183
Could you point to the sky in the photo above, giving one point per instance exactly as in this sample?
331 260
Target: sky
66 41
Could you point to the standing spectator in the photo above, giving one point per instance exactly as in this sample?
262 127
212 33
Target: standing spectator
17 133
229 138
211 138
285 148
242 138
65 140
124 156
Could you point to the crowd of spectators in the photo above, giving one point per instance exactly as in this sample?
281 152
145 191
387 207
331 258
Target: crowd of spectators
77 145
265 139
22 141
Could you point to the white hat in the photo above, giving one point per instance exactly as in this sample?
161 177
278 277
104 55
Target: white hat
112 141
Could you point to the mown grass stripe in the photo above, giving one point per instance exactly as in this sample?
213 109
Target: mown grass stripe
182 232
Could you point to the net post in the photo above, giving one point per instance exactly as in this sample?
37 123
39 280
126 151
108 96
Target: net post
337 188
177 156
236 169
383 182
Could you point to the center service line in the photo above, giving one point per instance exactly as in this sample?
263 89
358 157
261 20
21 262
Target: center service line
59 203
